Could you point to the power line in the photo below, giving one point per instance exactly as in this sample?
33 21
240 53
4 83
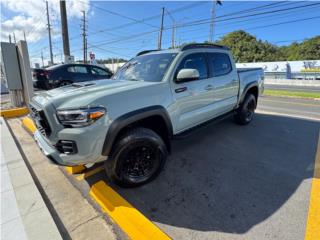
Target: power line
269 25
205 21
121 15
197 22
146 19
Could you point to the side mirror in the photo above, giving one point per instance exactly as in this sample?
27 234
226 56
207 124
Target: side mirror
187 74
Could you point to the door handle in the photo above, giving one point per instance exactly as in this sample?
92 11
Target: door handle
208 88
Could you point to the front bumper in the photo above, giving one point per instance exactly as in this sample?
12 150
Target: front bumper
89 148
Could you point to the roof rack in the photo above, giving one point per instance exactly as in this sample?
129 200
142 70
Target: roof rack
202 45
145 52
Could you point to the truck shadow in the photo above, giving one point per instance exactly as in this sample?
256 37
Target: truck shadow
228 178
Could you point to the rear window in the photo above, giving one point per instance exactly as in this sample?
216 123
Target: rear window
77 69
220 64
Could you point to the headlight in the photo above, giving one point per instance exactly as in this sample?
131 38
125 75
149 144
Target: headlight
80 117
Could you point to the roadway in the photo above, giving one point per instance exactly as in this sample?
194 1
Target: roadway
297 107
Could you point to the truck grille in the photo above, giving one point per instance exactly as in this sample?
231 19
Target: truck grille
40 120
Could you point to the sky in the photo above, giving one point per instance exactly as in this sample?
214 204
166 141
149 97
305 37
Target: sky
120 29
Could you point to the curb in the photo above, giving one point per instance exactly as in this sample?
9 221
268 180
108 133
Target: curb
15 112
129 219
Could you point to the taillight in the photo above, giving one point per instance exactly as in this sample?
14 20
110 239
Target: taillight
45 73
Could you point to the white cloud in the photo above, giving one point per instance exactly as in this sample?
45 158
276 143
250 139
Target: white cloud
30 16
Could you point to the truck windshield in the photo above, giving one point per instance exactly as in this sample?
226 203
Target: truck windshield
150 68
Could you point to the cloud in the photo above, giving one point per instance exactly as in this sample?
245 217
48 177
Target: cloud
30 16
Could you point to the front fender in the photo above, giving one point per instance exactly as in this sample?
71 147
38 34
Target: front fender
129 118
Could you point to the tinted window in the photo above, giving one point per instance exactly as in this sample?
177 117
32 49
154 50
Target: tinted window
220 64
99 71
77 69
195 61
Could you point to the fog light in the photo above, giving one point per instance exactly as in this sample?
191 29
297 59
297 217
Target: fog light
67 147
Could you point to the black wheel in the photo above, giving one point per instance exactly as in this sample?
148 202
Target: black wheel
137 158
244 114
64 83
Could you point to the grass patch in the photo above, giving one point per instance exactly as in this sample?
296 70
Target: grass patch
284 93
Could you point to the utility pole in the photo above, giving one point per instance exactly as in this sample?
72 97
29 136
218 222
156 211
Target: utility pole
14 37
173 35
173 29
84 37
49 32
213 16
42 59
161 29
9 38
24 36
64 27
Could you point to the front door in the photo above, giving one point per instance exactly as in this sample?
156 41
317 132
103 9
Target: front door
193 99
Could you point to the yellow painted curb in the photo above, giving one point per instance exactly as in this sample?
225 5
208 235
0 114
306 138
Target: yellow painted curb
29 124
75 169
16 112
313 222
130 220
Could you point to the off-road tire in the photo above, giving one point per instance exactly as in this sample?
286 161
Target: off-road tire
126 152
244 114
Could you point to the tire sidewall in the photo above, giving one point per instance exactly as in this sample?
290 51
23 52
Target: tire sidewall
114 165
241 114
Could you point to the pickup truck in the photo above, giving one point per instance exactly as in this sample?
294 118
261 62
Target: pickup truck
127 122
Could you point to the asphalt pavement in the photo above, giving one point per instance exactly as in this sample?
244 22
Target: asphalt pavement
227 181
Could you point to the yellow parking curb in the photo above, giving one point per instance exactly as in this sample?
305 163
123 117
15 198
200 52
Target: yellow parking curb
130 220
31 127
75 169
313 221
28 124
16 112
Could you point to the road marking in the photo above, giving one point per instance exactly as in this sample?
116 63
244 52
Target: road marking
89 173
287 115
295 103
130 220
16 112
313 221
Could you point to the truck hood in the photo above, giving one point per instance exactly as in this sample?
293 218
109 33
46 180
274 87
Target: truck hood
81 91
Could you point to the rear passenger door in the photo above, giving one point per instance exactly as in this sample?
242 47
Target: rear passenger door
225 81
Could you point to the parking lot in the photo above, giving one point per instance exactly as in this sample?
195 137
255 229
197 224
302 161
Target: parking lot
224 181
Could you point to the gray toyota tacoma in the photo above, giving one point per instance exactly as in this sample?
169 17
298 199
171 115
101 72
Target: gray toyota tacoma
128 121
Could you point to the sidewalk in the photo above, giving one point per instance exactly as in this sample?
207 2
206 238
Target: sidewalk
24 214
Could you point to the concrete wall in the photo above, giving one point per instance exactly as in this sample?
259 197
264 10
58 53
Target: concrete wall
292 82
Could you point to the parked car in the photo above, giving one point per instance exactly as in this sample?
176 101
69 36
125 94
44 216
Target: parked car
128 122
65 74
